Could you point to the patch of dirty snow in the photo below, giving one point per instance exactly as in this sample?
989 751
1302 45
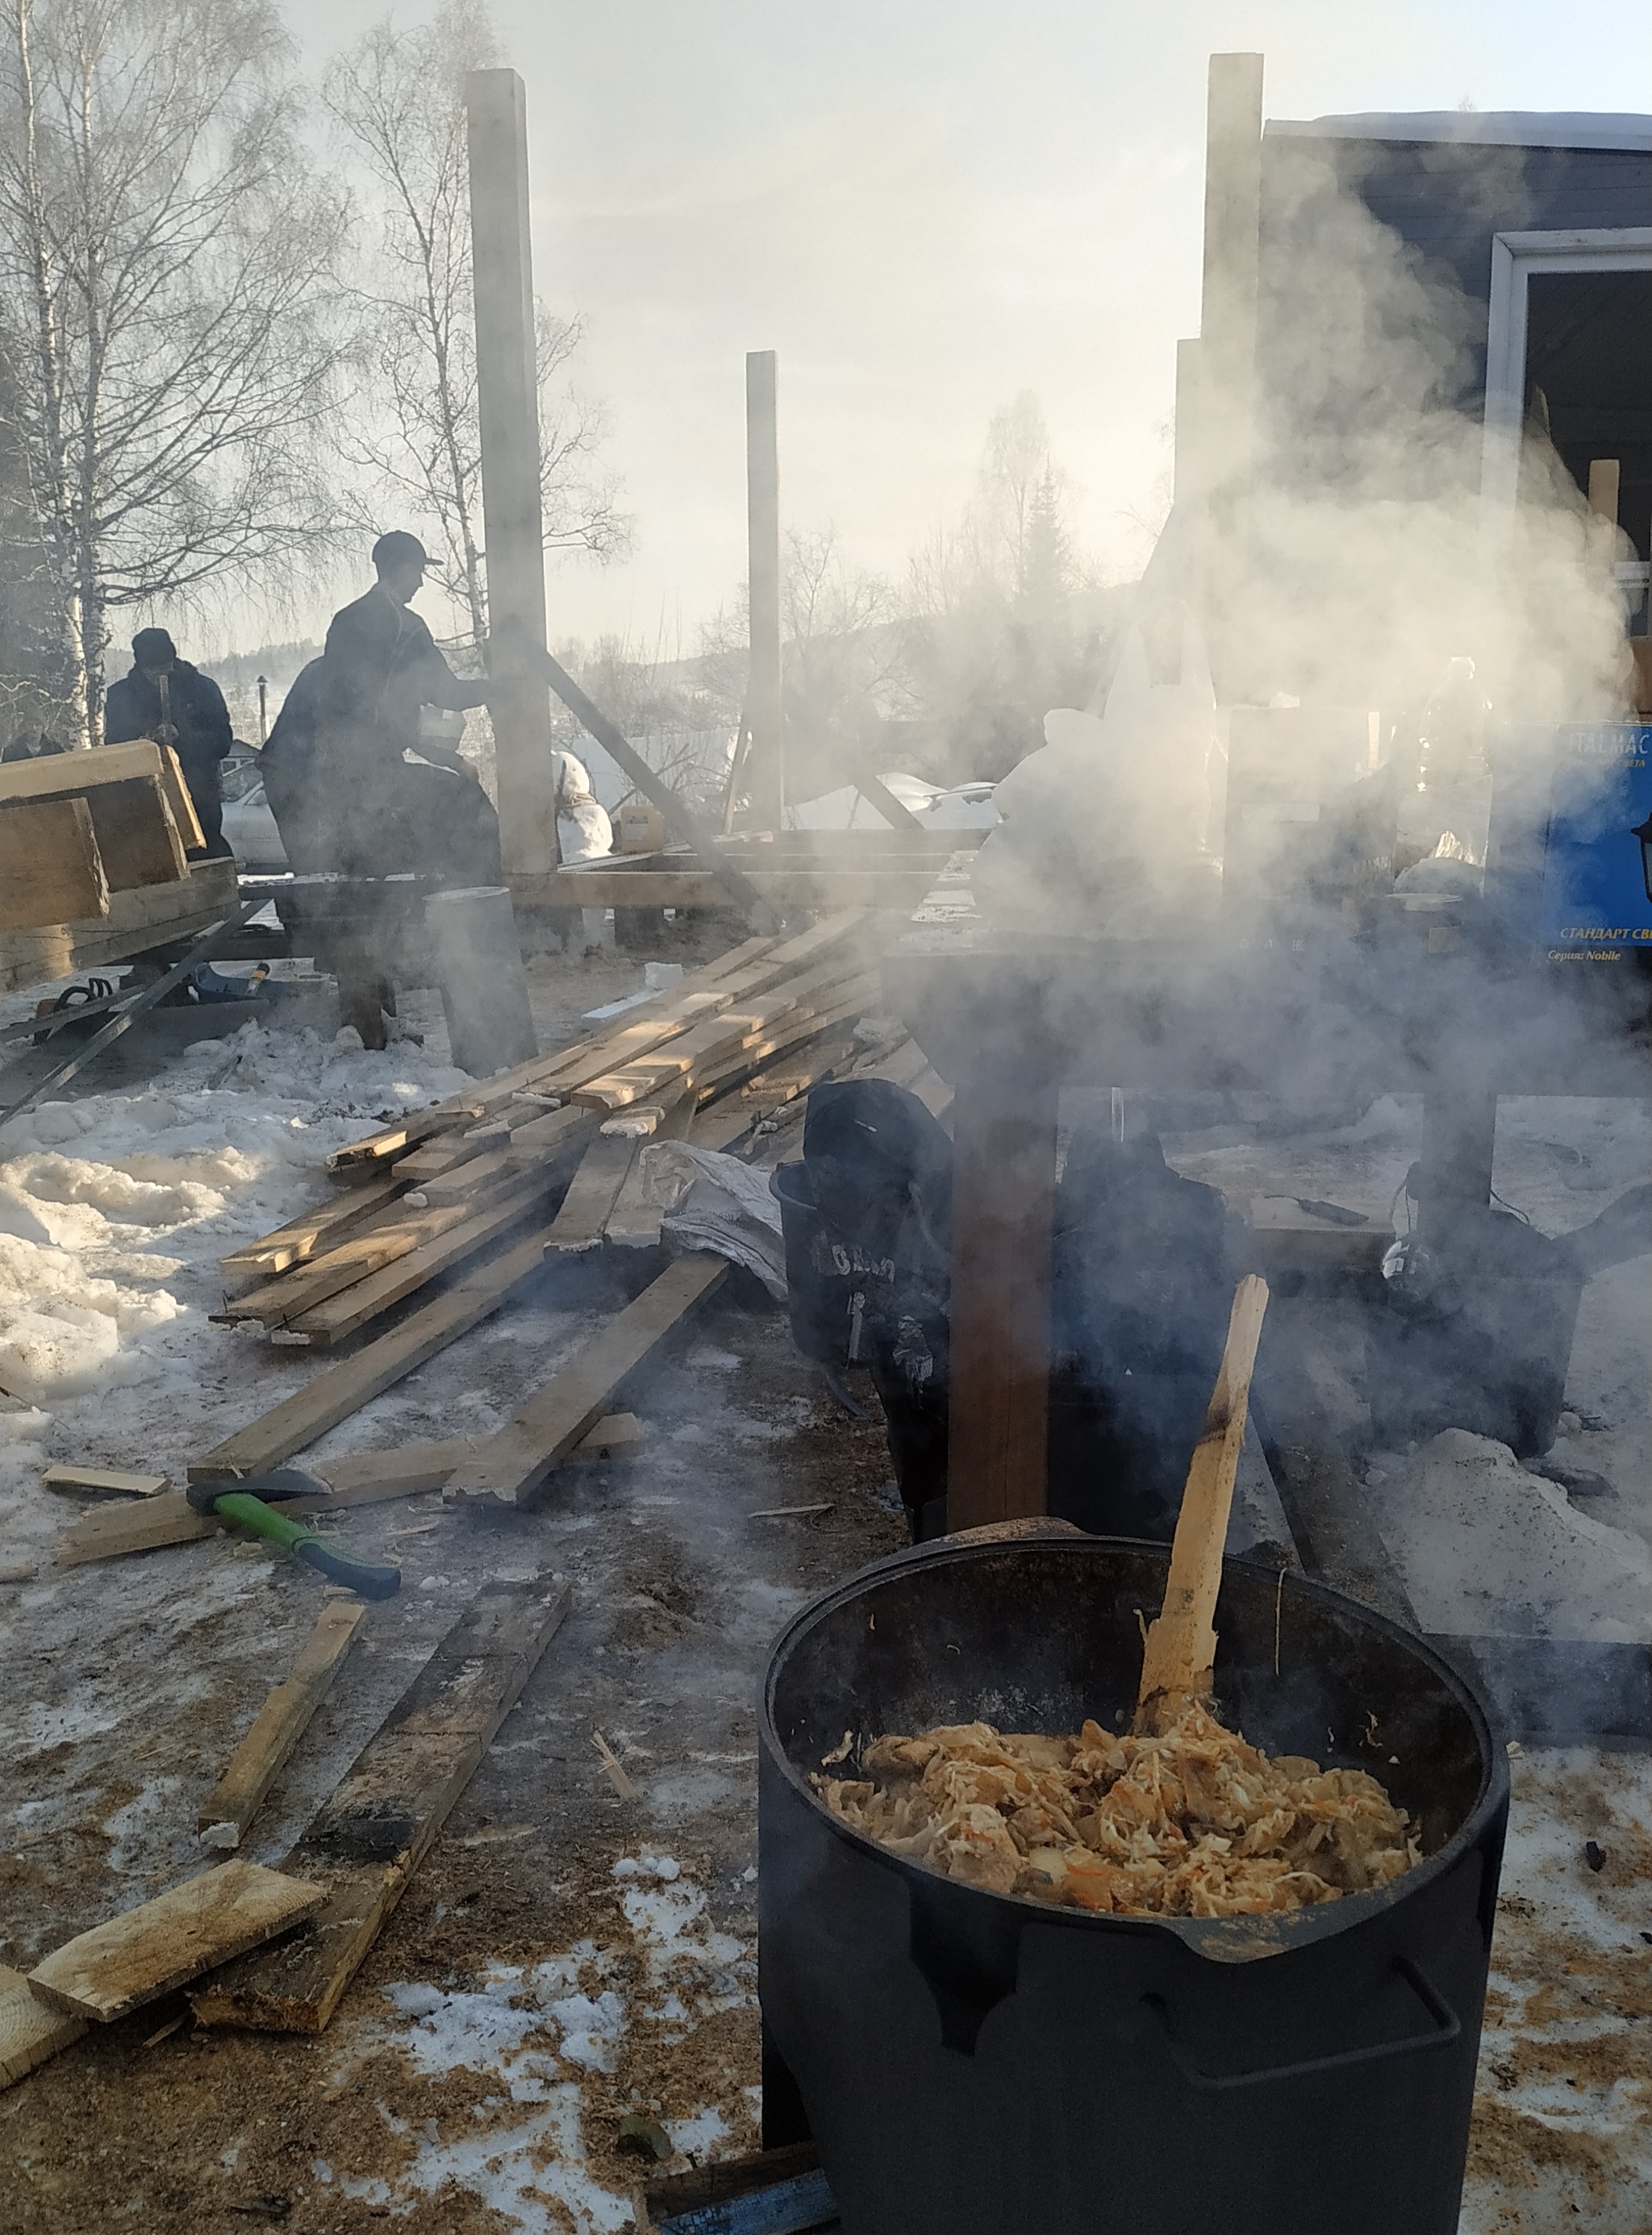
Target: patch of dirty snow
229 1139
543 2028
1563 2115
1486 1549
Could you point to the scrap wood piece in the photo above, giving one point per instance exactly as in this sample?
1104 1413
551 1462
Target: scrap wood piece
112 1482
592 1192
301 1239
512 1465
334 1394
162 1943
379 1825
279 1726
355 1479
31 2029
614 1767
616 1436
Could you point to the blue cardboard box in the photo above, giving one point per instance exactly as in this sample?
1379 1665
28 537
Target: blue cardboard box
1596 902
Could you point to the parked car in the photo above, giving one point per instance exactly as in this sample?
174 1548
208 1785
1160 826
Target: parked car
249 825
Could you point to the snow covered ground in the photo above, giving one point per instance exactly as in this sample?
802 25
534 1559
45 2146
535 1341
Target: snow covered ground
113 1211
115 1207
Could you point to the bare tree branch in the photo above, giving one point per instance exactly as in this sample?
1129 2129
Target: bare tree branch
169 348
398 99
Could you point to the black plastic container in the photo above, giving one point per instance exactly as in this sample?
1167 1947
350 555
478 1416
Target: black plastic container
1489 1350
821 1285
971 2062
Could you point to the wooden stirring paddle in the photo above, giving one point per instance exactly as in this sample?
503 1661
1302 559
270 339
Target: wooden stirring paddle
1180 1656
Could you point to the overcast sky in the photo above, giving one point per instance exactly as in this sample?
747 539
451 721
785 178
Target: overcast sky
925 207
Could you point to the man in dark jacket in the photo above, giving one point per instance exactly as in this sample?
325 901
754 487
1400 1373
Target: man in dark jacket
336 771
165 698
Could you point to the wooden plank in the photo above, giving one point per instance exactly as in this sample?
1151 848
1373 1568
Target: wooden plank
893 889
797 1031
341 1316
279 1302
166 1942
560 1133
379 1825
306 1237
509 1467
279 1726
31 2029
138 838
50 870
1002 1228
749 967
62 774
385 1241
304 1240
633 1223
790 1013
356 1479
333 1395
139 919
112 1482
577 1225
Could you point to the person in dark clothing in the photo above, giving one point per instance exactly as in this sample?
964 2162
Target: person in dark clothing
343 793
165 698
32 745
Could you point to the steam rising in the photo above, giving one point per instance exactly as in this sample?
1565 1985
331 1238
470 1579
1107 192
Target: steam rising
1344 568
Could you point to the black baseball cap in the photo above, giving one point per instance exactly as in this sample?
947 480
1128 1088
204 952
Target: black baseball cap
153 648
398 548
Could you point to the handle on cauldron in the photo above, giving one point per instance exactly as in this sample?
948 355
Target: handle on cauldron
1447 2028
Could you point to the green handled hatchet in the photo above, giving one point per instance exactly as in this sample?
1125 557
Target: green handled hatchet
248 1503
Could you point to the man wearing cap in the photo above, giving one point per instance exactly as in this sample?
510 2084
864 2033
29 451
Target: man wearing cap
336 771
165 698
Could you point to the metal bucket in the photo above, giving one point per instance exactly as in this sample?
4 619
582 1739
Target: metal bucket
968 2061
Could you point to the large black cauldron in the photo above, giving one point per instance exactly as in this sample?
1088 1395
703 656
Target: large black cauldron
969 2062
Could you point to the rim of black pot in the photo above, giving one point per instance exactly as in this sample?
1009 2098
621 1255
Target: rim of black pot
1237 1939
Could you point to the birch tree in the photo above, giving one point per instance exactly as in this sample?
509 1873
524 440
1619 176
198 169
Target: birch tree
166 255
397 98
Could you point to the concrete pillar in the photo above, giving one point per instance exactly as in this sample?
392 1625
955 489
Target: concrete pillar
767 763
478 966
1226 356
507 395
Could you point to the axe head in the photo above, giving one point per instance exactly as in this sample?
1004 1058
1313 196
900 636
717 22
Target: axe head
280 1483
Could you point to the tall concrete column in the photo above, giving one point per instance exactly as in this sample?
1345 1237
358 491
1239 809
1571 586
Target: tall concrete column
507 395
763 712
1226 356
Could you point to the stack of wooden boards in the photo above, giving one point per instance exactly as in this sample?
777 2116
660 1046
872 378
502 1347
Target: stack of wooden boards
523 1162
727 1058
93 860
